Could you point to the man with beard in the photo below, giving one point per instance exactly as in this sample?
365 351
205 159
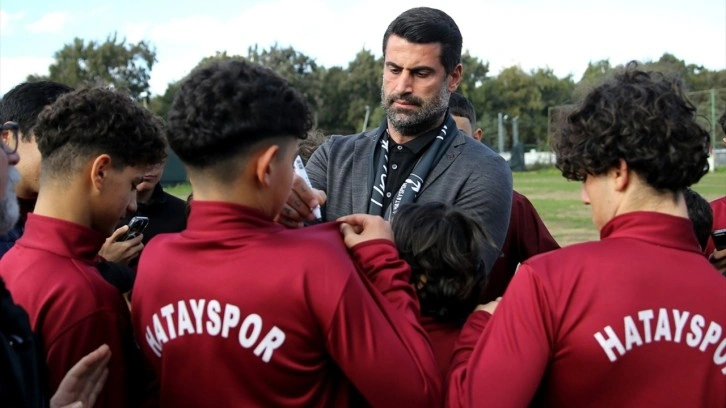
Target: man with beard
417 154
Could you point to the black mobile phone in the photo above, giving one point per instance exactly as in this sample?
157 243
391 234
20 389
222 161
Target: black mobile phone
137 225
719 239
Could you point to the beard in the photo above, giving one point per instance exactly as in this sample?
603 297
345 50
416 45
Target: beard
414 122
9 208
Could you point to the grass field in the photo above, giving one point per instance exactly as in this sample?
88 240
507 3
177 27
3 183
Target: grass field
558 201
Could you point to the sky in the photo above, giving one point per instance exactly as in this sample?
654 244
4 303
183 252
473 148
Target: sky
563 35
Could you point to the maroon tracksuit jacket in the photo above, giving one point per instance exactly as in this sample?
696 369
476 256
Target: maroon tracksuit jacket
636 319
239 311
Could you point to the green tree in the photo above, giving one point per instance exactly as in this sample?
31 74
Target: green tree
301 71
594 74
474 74
334 102
363 88
553 91
696 77
515 93
161 104
112 62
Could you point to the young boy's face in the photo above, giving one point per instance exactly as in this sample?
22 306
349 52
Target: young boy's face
117 198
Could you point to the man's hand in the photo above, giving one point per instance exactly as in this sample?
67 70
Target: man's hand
85 380
489 307
300 204
121 251
358 228
718 259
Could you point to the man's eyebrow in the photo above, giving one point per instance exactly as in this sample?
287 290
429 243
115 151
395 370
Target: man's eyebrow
423 68
419 68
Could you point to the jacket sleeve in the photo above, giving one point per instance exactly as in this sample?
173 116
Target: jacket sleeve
380 264
505 365
103 327
456 394
487 194
317 166
119 275
374 335
535 237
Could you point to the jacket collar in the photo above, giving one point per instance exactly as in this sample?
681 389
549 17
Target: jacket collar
653 227
363 153
62 237
215 216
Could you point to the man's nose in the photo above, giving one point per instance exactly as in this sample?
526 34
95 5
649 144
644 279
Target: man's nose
131 207
404 83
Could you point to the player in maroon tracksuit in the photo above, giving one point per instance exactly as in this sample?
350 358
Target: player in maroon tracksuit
237 310
718 258
95 145
527 236
719 220
635 319
444 248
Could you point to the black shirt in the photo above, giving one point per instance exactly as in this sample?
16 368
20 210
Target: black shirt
402 158
166 214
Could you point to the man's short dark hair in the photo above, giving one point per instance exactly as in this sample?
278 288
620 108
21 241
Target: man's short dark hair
225 108
445 247
701 215
24 103
460 106
94 121
643 118
424 25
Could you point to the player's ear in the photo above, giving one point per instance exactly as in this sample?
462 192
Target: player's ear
622 175
263 164
99 170
478 134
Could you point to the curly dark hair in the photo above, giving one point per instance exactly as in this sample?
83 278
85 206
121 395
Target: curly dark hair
224 108
24 103
643 118
95 121
425 25
444 248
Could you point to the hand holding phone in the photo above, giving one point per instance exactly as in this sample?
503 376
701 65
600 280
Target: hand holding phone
137 225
